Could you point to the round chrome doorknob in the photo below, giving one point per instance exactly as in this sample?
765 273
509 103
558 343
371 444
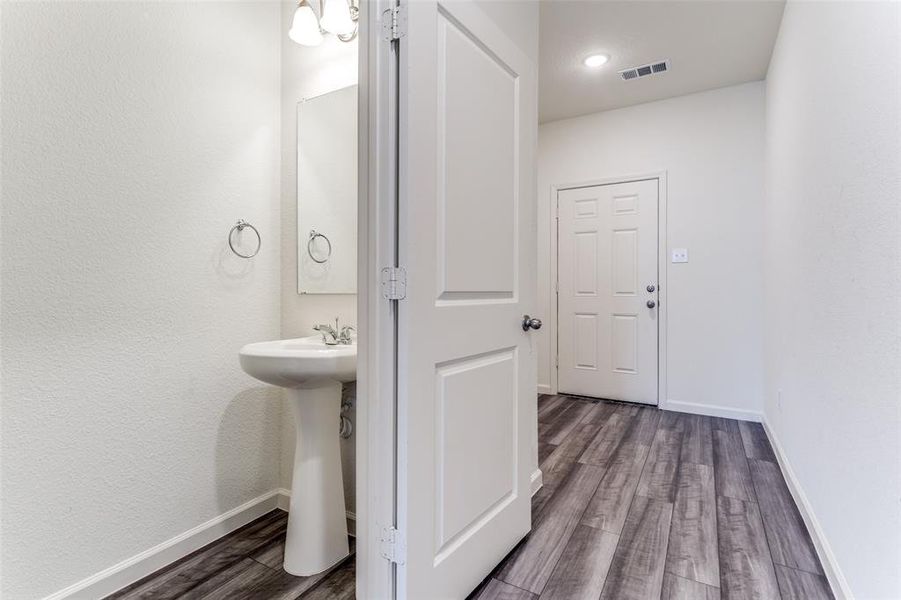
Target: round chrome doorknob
651 304
651 288
530 323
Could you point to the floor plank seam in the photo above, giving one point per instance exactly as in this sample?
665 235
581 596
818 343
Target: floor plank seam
517 587
615 455
672 500
261 563
766 534
322 582
672 519
585 508
716 515
799 569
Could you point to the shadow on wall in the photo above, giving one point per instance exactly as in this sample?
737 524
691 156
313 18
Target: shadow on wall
246 457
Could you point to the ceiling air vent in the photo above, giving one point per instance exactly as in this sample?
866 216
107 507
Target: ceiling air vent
644 70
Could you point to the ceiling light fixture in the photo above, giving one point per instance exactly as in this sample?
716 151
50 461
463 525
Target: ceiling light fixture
596 60
335 16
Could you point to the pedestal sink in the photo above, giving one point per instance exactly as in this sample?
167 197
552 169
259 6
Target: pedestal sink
312 372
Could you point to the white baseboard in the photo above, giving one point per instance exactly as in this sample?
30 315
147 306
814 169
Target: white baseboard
544 388
284 499
824 551
536 481
141 565
711 410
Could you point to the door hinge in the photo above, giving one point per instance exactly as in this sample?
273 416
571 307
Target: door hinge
394 23
394 283
394 545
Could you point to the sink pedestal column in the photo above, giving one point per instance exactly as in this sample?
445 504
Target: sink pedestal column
317 522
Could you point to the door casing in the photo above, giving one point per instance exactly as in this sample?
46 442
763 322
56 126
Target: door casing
662 252
376 317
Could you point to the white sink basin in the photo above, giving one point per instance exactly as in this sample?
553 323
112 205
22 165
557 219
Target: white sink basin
312 372
301 362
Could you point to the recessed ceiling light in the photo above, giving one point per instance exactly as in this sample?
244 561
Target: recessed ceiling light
596 60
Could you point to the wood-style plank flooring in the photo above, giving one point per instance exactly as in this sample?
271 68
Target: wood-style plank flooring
637 504
244 565
641 504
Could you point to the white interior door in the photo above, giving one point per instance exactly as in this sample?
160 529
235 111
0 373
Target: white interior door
466 369
608 291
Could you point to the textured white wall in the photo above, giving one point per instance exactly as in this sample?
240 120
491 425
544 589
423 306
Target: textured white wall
306 72
134 136
833 263
711 145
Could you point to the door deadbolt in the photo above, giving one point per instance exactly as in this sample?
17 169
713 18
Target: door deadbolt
651 288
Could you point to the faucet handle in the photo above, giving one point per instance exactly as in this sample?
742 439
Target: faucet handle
344 336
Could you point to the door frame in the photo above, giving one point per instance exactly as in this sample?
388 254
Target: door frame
376 316
662 266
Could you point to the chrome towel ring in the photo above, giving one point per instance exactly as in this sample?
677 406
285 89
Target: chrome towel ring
240 225
313 235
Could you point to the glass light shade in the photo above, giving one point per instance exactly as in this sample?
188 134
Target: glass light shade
336 17
305 27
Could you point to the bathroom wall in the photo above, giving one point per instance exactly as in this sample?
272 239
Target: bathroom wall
711 146
134 136
833 260
307 72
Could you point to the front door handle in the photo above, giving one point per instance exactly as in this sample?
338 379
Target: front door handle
530 323
651 304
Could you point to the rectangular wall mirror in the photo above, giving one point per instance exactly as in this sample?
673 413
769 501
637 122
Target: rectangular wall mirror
327 193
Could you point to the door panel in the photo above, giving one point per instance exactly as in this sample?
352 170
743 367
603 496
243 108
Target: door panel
624 262
466 369
467 495
607 256
586 263
477 157
586 341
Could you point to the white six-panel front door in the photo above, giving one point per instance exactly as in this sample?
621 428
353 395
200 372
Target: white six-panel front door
466 368
607 291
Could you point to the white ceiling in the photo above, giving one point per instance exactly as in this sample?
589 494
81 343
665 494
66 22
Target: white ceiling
709 43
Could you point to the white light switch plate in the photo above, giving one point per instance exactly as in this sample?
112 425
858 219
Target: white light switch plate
680 255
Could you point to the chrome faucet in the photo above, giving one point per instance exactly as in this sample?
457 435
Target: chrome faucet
332 336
